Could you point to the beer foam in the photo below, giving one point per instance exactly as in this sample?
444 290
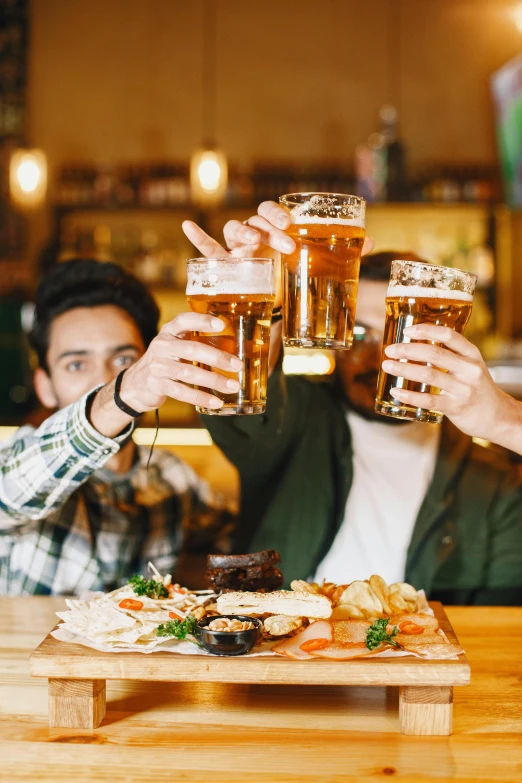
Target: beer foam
326 221
248 277
418 291
336 213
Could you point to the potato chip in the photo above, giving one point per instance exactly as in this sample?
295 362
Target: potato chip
382 591
301 585
361 595
407 591
327 589
346 612
397 602
337 593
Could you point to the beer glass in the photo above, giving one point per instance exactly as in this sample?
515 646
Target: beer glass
239 291
321 276
420 293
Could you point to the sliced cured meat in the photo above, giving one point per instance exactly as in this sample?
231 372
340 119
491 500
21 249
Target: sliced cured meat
427 621
428 637
344 652
292 647
437 651
350 631
349 641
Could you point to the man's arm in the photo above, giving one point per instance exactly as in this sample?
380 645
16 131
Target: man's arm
40 469
258 445
505 546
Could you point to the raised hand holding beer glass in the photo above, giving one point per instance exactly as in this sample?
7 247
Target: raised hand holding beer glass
469 396
240 292
321 275
427 294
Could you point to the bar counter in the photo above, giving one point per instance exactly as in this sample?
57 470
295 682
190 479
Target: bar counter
238 733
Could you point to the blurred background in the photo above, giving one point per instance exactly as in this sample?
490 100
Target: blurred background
121 118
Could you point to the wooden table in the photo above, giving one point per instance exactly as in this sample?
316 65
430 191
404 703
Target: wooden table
236 733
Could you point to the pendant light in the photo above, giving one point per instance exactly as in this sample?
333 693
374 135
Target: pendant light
208 164
28 178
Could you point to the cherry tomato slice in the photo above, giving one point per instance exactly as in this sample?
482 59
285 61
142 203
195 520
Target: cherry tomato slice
131 603
409 627
314 644
174 616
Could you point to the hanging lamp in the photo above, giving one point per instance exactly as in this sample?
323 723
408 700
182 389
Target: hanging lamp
28 178
208 164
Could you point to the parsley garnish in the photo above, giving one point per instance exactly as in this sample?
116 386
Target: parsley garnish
377 633
148 587
178 628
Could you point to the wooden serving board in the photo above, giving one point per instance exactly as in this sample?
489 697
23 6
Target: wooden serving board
77 678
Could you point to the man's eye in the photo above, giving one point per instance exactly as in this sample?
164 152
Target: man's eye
76 366
124 361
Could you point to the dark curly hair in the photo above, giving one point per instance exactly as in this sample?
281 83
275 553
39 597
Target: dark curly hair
377 266
89 283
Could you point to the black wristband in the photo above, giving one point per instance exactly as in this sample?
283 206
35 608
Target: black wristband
277 314
118 400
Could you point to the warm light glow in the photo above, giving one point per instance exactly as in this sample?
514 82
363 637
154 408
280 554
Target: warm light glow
171 436
7 432
517 13
309 363
28 177
143 436
208 176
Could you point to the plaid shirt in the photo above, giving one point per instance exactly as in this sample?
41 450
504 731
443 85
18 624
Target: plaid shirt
69 524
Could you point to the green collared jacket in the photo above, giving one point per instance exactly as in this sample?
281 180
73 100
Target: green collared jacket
295 466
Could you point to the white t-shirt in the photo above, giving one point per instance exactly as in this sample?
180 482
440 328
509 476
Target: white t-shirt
392 469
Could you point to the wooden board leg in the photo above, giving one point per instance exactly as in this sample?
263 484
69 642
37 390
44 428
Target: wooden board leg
76 704
425 710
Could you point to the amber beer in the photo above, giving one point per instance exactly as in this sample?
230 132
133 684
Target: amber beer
410 302
241 293
321 276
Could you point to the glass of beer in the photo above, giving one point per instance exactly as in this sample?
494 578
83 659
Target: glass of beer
239 291
420 293
321 276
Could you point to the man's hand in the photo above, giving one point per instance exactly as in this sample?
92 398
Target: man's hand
257 236
469 397
253 237
266 229
166 370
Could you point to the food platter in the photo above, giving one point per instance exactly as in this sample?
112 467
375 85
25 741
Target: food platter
77 677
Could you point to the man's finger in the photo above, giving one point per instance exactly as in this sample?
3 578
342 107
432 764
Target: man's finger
196 351
206 245
196 376
429 402
275 214
429 354
237 235
425 374
179 391
271 236
368 246
443 334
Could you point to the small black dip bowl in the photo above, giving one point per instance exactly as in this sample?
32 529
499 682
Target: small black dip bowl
228 642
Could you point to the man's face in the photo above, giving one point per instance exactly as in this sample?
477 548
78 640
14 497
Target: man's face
88 346
358 368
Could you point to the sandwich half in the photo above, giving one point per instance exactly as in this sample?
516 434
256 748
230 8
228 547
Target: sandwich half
292 603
